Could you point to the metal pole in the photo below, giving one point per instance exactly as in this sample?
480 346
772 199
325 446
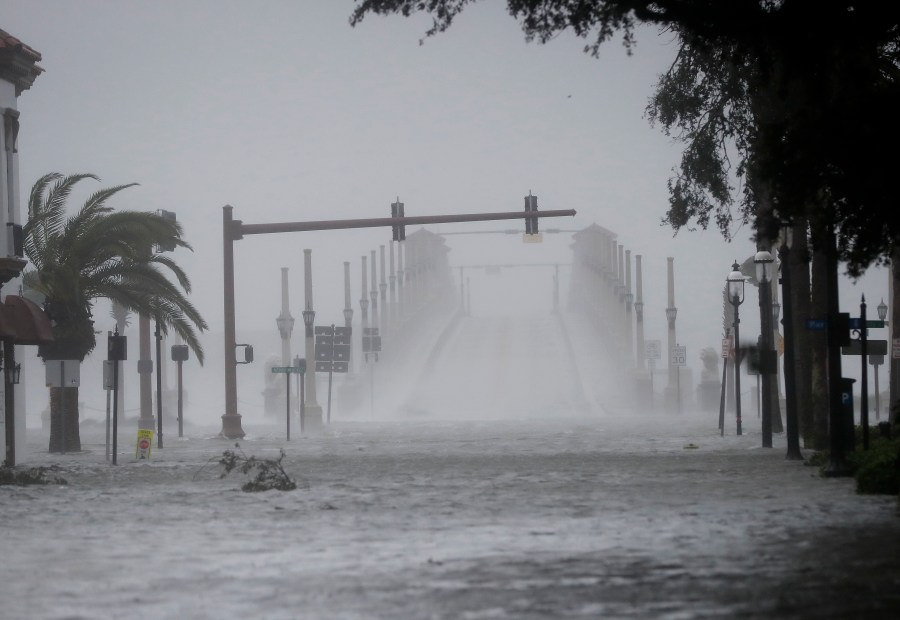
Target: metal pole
302 401
765 306
231 420
287 412
62 403
107 423
864 391
159 417
180 402
331 372
735 302
115 433
723 391
877 395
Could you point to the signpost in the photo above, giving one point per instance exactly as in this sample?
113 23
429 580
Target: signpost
144 445
332 354
286 371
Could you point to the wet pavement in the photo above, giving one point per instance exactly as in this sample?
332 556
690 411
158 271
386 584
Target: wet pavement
642 516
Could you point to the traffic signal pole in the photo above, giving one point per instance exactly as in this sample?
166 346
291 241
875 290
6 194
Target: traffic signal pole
235 230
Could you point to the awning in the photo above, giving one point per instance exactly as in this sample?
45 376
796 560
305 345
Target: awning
24 322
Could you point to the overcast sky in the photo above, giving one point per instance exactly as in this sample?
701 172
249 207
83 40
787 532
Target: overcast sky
284 111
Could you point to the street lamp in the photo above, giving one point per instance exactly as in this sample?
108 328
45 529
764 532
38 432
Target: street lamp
309 318
882 310
671 313
348 316
764 264
735 282
776 312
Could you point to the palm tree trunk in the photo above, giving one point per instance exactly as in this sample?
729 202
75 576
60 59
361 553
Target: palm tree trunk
64 428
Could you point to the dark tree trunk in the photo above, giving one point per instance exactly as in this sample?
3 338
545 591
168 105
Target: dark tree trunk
64 420
800 299
819 349
894 319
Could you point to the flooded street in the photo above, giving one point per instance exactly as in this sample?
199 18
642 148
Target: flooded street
428 518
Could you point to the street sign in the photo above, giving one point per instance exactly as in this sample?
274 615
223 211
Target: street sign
876 360
287 369
652 349
873 347
679 355
816 325
726 347
332 349
144 445
855 323
371 341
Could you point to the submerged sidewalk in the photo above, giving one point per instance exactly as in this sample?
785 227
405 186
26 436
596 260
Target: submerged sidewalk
649 516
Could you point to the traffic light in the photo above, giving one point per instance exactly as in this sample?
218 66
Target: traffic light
399 229
531 223
170 246
117 347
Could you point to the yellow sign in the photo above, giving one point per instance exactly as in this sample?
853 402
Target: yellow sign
144 445
535 238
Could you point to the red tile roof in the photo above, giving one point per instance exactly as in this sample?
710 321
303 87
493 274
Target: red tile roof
9 42
18 62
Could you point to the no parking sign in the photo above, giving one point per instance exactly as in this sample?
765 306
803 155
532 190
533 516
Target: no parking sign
144 444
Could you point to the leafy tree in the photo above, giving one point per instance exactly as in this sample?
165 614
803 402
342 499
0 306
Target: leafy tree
98 253
823 80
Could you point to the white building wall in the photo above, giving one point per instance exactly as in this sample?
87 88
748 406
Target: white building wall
10 211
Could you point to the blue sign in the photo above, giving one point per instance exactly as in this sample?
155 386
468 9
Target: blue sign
816 325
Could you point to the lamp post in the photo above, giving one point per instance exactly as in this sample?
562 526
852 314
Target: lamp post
284 321
348 309
671 313
735 282
878 360
764 264
629 302
313 410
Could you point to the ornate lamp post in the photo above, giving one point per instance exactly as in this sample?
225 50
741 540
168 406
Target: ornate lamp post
764 265
735 282
312 408
878 361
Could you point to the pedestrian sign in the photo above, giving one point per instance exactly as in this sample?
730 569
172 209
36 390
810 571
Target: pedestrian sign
652 349
144 446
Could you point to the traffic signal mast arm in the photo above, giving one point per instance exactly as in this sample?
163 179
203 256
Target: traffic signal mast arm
239 229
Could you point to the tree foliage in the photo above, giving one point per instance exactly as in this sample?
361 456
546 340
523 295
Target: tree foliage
805 93
101 253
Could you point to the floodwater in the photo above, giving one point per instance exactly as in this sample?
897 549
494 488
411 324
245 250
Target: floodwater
505 481
426 518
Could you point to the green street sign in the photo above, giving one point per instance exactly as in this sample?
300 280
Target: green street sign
287 369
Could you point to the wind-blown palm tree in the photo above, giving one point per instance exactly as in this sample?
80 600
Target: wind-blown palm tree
98 253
